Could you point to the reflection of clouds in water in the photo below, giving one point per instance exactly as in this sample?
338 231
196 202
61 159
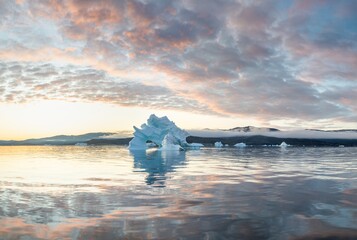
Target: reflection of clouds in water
257 193
275 210
157 164
335 214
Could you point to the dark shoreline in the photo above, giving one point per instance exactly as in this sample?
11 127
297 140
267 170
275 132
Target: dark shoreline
256 141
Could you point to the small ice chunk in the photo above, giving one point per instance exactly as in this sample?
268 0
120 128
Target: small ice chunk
218 144
240 144
194 145
151 145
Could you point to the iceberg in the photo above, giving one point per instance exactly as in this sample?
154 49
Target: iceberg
218 144
284 144
170 143
240 145
163 133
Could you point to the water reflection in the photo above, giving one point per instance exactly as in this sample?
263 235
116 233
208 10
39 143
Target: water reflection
220 194
157 164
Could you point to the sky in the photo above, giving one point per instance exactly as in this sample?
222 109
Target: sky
76 66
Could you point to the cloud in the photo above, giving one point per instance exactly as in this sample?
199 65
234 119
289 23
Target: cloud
259 59
308 134
23 82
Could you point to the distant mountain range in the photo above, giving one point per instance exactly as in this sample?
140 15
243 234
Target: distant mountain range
57 140
253 129
250 135
260 140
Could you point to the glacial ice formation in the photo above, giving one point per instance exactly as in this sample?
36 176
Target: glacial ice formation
162 132
170 143
240 145
284 144
218 144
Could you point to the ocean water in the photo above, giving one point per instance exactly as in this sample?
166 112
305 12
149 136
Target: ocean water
73 192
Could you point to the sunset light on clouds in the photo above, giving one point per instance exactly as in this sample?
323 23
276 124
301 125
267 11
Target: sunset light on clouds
75 66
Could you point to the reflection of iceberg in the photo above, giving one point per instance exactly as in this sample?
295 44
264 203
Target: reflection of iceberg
157 164
160 131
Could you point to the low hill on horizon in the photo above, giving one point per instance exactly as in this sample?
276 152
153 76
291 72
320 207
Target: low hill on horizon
252 129
249 134
57 140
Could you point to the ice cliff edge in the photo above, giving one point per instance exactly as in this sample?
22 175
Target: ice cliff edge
160 131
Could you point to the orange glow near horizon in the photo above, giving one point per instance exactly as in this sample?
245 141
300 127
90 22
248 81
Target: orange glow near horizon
48 118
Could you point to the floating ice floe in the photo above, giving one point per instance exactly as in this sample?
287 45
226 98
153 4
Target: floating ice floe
163 133
194 146
218 144
240 144
150 145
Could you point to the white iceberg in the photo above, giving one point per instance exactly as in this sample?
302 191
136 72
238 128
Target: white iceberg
171 147
170 143
162 132
150 145
284 144
194 145
240 144
218 144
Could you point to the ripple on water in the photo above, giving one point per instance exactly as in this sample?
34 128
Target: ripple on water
109 192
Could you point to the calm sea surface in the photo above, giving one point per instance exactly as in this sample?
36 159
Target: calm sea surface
77 192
